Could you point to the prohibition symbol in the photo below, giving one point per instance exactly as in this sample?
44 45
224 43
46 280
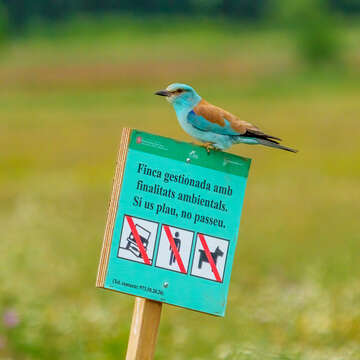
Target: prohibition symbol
174 249
210 257
137 239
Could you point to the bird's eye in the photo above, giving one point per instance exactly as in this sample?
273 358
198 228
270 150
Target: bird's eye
179 91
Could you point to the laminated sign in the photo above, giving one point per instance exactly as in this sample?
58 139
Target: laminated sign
173 222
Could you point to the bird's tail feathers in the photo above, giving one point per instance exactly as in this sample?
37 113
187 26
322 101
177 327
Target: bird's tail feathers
275 144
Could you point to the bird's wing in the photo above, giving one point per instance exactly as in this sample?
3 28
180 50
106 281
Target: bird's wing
208 117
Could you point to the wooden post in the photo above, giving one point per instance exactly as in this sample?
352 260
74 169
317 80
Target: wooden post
144 329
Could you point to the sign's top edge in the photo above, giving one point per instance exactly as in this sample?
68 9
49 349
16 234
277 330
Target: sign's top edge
190 153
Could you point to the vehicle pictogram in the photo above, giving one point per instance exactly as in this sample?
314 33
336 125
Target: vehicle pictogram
137 240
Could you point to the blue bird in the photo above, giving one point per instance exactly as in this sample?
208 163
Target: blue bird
216 128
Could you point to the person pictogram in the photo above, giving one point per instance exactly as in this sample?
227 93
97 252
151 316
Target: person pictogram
177 242
174 250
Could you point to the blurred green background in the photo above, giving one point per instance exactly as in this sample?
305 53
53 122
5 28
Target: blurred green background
73 73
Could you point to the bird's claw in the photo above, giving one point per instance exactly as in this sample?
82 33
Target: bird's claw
208 146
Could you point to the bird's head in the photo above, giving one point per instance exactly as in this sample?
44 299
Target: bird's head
180 95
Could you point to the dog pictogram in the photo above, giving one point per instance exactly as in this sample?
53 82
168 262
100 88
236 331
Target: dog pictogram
210 257
214 255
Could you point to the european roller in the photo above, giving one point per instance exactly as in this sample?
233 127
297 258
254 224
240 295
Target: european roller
216 128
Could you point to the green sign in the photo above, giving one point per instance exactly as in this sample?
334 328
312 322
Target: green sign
173 222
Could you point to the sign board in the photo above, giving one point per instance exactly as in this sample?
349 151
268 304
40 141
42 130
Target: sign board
173 222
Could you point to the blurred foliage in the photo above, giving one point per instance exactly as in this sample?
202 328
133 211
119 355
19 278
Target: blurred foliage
346 6
66 92
23 11
248 9
205 6
4 24
314 27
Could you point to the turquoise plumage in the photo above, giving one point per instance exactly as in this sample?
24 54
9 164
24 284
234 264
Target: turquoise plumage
214 126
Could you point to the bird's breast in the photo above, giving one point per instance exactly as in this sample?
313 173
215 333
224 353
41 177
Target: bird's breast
181 115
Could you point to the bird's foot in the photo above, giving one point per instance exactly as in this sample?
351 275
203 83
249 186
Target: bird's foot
208 146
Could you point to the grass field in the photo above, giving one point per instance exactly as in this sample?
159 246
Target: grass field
65 95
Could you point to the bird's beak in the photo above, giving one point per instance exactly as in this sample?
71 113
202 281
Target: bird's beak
163 93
